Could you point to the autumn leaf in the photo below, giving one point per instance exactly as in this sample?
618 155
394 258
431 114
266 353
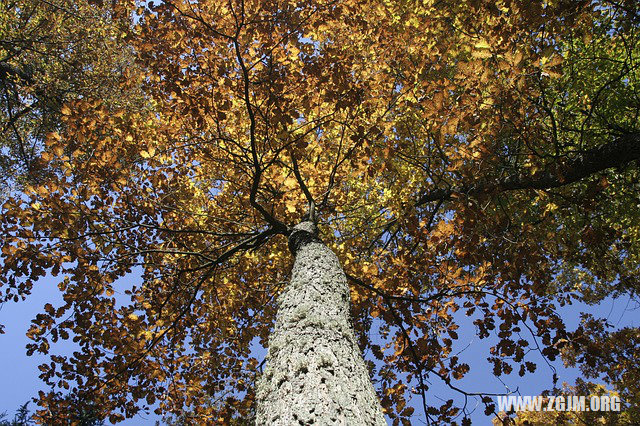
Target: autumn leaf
461 159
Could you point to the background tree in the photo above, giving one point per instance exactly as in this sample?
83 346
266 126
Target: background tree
456 163
23 417
53 52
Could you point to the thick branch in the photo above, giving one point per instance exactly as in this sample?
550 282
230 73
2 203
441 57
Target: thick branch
303 185
275 223
614 154
248 243
8 70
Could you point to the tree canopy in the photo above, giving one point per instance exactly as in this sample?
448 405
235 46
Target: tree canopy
465 156
52 53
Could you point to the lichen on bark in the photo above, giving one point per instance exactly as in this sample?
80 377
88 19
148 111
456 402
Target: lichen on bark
314 371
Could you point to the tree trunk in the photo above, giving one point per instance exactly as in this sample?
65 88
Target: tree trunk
314 371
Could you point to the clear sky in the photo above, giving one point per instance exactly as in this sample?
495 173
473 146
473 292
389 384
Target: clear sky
19 376
19 373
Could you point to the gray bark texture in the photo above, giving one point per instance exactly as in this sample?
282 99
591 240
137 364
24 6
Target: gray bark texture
314 371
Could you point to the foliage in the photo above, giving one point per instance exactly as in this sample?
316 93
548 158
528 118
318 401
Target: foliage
611 355
484 166
596 97
79 418
52 52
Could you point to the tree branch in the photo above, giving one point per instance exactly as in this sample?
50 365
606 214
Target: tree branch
275 223
623 150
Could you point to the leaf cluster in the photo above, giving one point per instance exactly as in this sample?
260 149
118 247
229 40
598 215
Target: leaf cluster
457 166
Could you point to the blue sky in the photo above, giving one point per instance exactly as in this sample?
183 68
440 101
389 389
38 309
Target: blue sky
19 377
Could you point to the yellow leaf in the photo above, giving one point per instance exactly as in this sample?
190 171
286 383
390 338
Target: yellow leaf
52 138
518 58
482 44
65 110
291 208
290 183
481 54
132 317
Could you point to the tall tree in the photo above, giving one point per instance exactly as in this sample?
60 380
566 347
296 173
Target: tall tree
450 163
315 372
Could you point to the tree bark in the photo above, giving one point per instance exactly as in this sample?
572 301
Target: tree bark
314 371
